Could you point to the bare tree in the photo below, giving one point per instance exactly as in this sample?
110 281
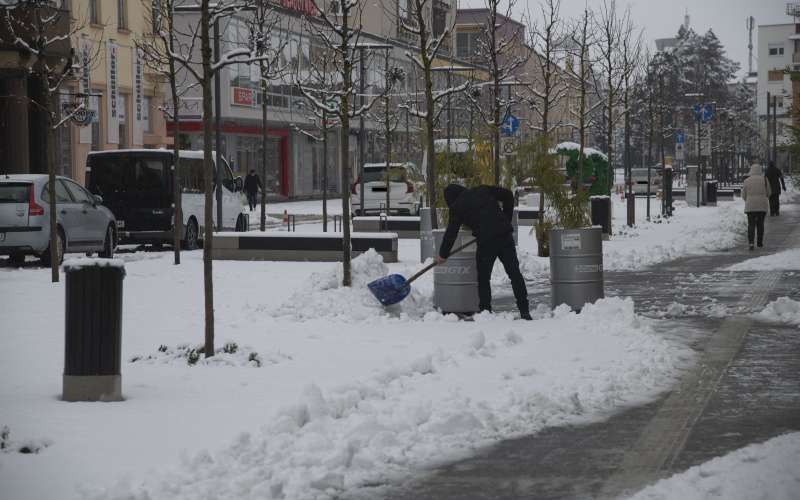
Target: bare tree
42 32
417 22
268 44
583 42
204 70
322 76
339 31
501 46
547 86
157 52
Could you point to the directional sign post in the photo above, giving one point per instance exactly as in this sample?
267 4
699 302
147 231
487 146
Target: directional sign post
509 126
705 139
680 141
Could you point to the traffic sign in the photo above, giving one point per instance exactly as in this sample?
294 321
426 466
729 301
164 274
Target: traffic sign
508 146
680 137
679 151
510 125
703 112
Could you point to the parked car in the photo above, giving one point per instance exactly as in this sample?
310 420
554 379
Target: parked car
84 224
639 180
138 187
403 196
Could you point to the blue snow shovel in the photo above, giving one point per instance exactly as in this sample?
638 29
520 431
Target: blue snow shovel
391 289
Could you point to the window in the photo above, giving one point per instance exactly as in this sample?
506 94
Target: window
78 193
122 101
62 196
776 75
467 44
122 14
94 11
192 180
155 15
776 49
146 114
94 106
402 9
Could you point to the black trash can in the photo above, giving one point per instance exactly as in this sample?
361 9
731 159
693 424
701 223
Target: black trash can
711 193
93 330
601 213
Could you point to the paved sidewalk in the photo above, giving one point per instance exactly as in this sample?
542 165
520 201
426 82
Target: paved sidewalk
744 388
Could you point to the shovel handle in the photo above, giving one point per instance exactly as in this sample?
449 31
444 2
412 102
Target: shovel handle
434 263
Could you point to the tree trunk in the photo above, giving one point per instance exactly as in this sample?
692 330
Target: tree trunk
209 181
264 145
176 176
345 181
324 172
388 132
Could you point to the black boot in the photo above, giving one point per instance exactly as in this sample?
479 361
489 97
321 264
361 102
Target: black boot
524 311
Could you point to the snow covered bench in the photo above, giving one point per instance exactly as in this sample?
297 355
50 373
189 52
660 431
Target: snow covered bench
313 247
406 227
526 216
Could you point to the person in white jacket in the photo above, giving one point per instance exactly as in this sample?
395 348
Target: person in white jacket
755 193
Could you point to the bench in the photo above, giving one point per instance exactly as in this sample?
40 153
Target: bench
406 227
299 247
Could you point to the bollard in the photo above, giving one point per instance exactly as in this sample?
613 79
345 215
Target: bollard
600 208
93 330
291 223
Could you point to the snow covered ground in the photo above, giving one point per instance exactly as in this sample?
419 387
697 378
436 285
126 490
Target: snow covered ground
787 260
766 470
781 310
323 390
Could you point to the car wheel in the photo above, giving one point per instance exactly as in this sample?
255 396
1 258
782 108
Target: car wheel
61 244
16 259
192 234
108 245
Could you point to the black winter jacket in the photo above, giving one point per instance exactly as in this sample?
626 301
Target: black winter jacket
775 178
479 209
252 183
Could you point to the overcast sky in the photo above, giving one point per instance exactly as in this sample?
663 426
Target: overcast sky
661 18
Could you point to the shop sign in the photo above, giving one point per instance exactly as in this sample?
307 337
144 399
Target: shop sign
304 6
243 96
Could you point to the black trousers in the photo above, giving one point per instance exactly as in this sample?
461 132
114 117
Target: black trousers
774 204
505 250
755 224
252 200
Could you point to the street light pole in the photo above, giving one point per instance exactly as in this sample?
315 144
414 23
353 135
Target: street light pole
361 131
218 128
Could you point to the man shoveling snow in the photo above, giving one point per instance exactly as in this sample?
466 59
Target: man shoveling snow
479 209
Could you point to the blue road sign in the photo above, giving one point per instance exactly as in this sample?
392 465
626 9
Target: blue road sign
707 114
680 138
510 125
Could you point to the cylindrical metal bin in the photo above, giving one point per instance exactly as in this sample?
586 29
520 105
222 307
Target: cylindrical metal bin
576 267
427 248
93 330
711 193
455 283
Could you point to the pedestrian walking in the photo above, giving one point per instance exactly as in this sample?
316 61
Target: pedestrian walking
775 178
755 193
480 210
252 183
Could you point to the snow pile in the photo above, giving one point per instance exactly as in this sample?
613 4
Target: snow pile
507 379
764 470
711 308
782 310
194 355
687 233
25 446
787 260
325 297
81 262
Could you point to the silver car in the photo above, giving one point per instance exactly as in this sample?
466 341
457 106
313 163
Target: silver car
84 225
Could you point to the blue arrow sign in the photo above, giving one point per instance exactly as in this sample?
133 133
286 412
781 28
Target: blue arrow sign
510 125
680 138
707 114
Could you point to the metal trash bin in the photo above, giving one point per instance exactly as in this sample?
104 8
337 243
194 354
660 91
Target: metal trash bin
93 330
711 193
576 267
427 248
455 283
601 213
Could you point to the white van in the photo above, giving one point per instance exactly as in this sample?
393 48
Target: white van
137 186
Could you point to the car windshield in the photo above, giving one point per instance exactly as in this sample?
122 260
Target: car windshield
14 193
119 174
396 174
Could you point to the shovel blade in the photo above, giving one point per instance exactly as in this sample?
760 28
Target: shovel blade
390 289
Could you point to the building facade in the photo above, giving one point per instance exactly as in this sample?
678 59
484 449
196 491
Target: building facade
778 51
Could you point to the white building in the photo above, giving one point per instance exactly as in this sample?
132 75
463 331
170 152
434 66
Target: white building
778 49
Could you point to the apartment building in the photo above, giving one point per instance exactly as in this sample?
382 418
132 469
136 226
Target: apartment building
125 96
778 50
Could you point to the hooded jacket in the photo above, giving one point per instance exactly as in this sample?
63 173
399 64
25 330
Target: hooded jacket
479 209
756 191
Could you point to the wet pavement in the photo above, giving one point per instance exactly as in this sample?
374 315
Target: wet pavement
744 388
